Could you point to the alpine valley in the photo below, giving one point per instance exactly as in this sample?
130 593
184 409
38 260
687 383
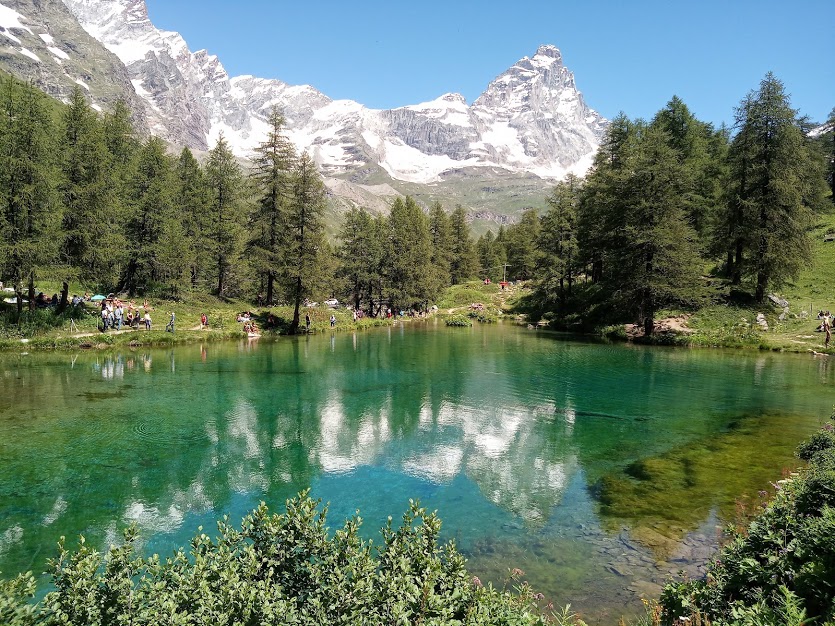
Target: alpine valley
495 157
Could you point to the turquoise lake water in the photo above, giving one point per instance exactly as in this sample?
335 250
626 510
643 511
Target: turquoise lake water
596 468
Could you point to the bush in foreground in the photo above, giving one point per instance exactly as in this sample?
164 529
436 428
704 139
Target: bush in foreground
277 569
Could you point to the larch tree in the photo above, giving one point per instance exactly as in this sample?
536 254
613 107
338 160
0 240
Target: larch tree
274 164
464 258
225 181
558 241
602 198
440 232
301 267
701 152
360 256
491 257
522 251
658 263
633 213
776 184
193 199
159 250
94 242
409 268
30 207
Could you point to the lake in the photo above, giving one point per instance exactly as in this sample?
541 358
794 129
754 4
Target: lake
598 469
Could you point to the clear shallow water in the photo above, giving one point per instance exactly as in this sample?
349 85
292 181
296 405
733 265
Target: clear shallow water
595 468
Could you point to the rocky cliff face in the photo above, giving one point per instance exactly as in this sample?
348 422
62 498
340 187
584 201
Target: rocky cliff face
531 118
41 41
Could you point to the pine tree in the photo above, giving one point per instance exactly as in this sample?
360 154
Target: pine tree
464 261
440 232
94 242
275 160
360 256
409 277
302 267
30 208
152 229
225 181
775 184
522 252
558 241
192 199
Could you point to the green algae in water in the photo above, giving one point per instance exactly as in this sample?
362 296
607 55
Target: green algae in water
676 491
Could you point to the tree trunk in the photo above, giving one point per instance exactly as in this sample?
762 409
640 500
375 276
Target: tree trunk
649 325
294 326
18 288
762 283
31 291
270 280
65 288
220 277
736 278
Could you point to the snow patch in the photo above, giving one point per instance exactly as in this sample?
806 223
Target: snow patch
28 53
10 36
47 39
78 81
411 165
9 18
58 53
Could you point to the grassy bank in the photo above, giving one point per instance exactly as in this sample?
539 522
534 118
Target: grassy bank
78 327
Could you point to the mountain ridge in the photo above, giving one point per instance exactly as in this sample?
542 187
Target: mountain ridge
495 156
530 119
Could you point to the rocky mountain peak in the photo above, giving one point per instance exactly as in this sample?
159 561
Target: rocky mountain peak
530 119
454 98
549 51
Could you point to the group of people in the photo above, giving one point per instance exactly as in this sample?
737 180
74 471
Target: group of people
114 315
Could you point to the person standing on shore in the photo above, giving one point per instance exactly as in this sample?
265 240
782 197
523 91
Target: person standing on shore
827 328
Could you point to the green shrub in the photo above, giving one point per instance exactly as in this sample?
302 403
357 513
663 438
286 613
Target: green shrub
485 317
821 441
458 320
277 569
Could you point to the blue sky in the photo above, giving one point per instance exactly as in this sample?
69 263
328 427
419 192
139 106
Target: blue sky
626 56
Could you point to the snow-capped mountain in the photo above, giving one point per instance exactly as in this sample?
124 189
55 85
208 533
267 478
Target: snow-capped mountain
530 119
42 42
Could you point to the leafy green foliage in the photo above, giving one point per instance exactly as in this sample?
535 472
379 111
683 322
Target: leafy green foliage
277 569
458 320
